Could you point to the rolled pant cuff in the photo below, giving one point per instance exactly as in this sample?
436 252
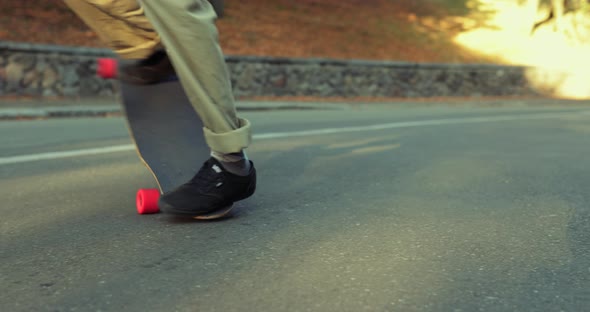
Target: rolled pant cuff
230 142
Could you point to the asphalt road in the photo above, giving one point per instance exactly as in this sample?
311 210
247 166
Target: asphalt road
376 209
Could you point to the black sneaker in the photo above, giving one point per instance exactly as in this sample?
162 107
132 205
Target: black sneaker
211 190
154 69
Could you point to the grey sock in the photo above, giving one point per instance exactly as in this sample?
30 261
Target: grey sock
236 163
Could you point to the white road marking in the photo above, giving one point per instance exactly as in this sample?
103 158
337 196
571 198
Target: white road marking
420 123
276 135
65 154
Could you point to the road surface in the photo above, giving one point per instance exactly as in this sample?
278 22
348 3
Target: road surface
367 208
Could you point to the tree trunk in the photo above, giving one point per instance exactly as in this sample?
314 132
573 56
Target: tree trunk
558 9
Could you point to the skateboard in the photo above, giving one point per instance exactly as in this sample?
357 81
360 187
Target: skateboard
167 132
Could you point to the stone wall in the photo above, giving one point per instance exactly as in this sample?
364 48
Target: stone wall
54 71
316 77
51 71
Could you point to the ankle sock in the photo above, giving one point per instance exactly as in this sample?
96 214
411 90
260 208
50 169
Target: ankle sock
236 163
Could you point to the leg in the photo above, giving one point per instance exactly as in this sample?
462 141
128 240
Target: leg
187 30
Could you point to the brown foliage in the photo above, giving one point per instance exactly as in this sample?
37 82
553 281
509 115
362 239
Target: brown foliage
360 29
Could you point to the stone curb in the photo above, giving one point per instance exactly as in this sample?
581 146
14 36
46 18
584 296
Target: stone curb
365 63
102 110
57 49
58 111
11 111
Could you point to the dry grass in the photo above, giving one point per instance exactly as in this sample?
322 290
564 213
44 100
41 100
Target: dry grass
354 29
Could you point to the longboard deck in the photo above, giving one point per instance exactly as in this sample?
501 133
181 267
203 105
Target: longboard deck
167 131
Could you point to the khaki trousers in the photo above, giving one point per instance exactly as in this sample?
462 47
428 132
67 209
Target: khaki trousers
186 29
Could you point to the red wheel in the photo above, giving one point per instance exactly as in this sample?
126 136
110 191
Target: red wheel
147 201
106 68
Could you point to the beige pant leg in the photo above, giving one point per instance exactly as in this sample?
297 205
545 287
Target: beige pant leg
189 34
187 30
120 24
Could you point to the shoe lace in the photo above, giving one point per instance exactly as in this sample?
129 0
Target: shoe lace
206 177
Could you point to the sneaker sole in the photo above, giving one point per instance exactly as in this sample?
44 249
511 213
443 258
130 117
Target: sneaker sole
211 215
219 213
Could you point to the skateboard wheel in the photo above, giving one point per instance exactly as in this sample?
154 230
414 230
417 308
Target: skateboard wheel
147 201
106 68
